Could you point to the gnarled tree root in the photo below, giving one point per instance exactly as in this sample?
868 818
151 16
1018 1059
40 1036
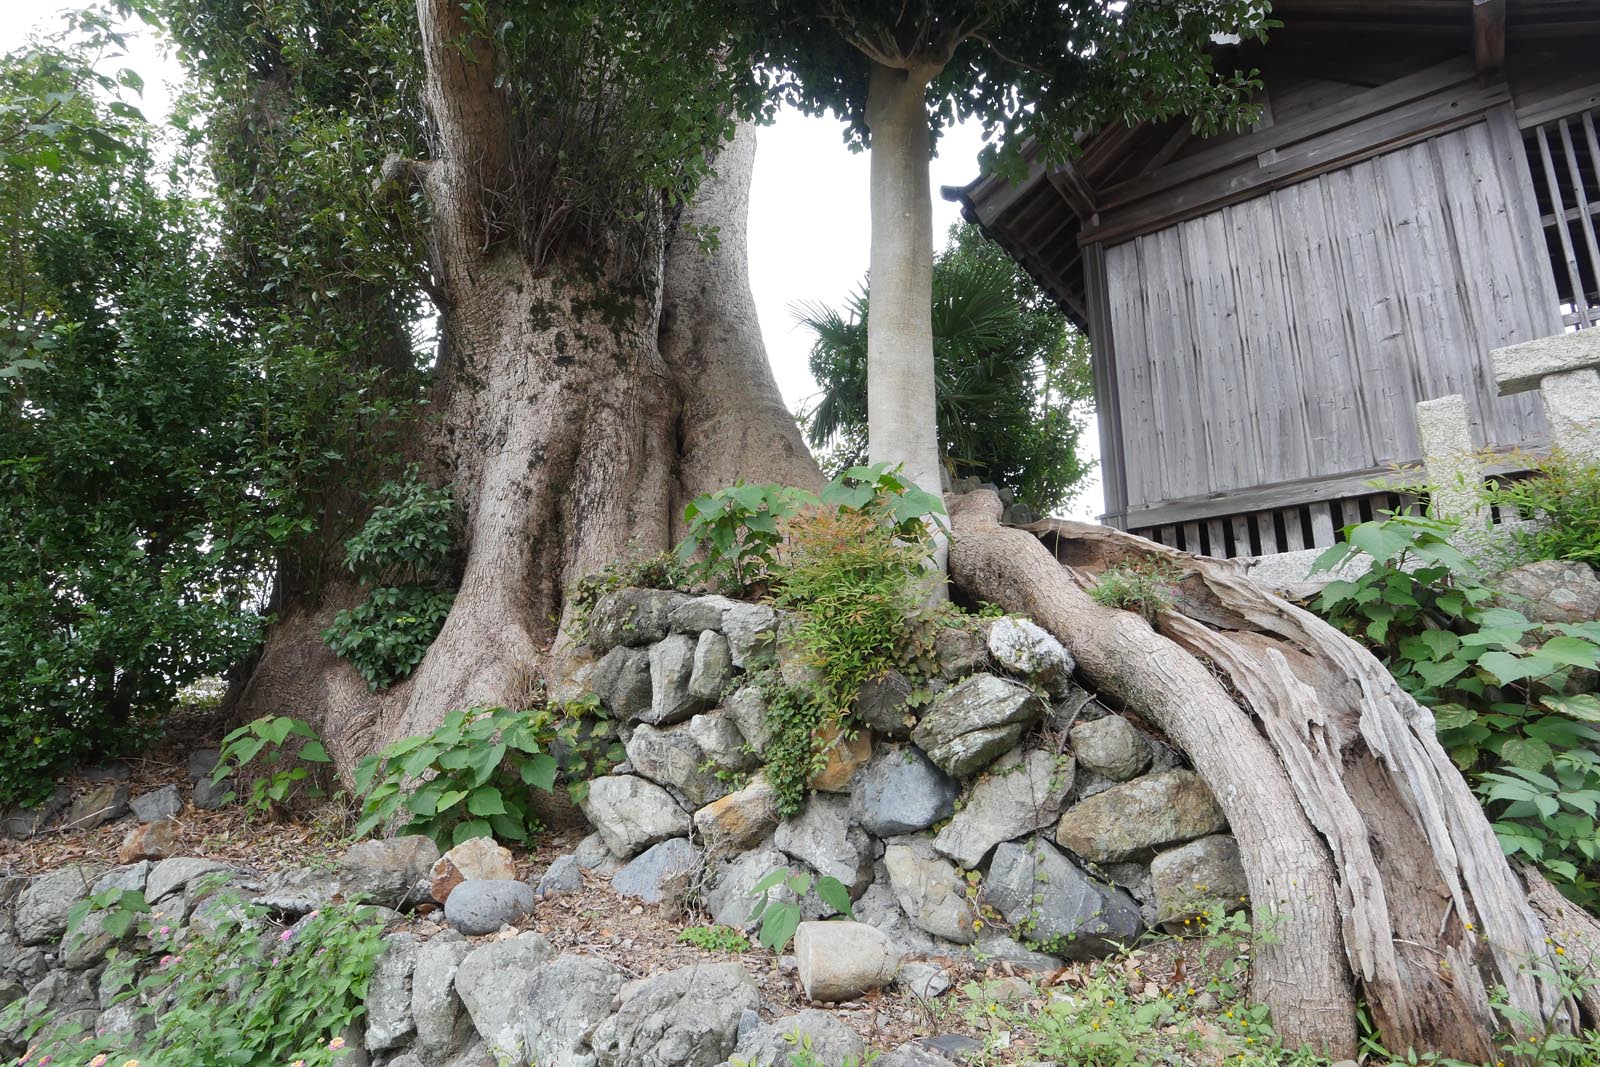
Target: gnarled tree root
1359 838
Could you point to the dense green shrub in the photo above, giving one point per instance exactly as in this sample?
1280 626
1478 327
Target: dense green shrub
1562 497
278 775
132 543
401 554
1499 685
470 777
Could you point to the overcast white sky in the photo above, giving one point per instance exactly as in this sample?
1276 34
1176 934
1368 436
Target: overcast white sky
808 212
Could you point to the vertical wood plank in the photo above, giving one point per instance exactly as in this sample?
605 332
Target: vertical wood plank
1563 230
1241 535
1581 197
1322 525
1294 534
1217 534
1267 531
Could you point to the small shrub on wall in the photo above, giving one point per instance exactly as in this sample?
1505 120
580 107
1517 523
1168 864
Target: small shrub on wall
1562 500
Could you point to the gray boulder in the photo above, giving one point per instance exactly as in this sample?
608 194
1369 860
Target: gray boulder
593 854
840 961
23 823
567 999
632 814
723 743
1190 878
731 896
158 804
177 873
389 994
701 613
970 724
683 1018
659 872
912 1054
671 668
493 981
1550 591
1023 792
672 757
201 763
213 796
1111 746
752 631
632 617
436 1009
1051 901
41 911
748 710
879 909
134 876
388 872
902 792
1025 648
87 943
923 979
98 806
929 891
713 667
561 877
771 1044
823 837
960 651
622 682
881 704
1128 820
482 906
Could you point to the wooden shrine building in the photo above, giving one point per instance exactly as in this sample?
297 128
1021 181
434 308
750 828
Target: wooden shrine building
1267 308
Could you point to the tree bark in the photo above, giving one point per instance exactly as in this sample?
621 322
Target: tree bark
1358 836
571 437
902 420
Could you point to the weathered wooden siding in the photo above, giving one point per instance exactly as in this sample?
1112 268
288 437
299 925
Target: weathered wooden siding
1289 337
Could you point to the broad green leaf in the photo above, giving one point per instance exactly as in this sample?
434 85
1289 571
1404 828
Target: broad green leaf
1506 668
314 752
486 800
834 894
539 771
778 925
1585 707
1571 652
1527 754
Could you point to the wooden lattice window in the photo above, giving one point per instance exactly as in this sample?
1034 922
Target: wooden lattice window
1565 156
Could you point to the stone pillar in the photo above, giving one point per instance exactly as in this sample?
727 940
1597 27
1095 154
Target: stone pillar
1566 371
1455 475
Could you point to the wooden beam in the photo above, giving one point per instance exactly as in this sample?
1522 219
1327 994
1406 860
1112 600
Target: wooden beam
1074 189
1489 35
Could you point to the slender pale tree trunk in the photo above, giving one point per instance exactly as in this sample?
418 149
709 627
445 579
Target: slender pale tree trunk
902 422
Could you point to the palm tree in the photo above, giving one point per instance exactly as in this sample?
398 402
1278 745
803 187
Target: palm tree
1012 376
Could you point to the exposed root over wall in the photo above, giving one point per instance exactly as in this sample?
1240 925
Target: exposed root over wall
1364 848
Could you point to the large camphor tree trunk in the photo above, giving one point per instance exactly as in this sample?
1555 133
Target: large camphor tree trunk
1367 855
572 418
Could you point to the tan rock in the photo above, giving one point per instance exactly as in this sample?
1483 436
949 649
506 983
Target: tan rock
1128 820
476 857
739 820
847 753
149 841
